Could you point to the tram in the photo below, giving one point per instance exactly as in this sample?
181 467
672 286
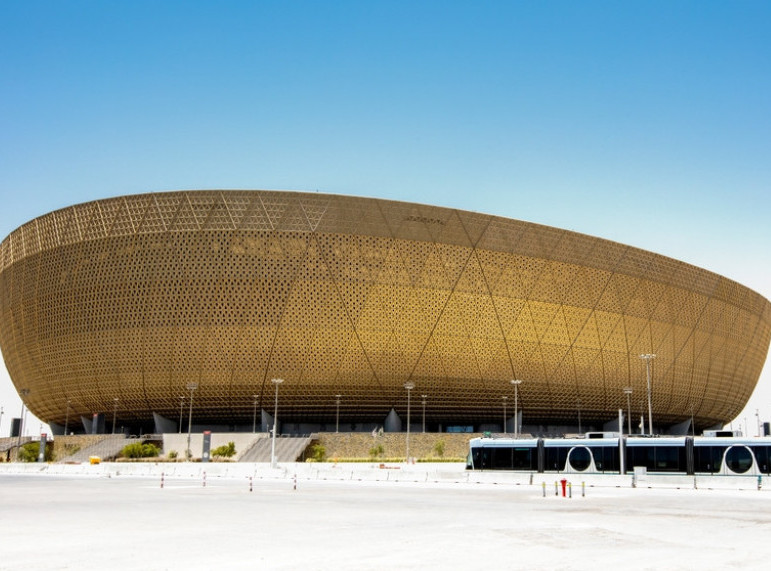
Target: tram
597 453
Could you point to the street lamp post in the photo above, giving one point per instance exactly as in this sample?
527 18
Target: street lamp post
628 393
22 393
578 404
648 357
516 383
114 412
66 417
503 398
276 382
191 387
424 412
757 417
254 414
337 413
181 408
409 385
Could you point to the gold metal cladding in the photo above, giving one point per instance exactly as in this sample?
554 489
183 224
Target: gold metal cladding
137 296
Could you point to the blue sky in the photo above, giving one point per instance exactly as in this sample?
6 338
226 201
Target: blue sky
648 123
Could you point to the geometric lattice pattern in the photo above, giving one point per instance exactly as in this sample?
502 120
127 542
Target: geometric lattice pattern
134 297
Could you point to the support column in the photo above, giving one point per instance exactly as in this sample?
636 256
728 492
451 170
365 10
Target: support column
163 425
392 422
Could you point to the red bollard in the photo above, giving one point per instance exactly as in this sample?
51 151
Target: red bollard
564 486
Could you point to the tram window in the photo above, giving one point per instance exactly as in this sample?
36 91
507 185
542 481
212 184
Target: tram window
599 458
522 459
580 458
501 459
641 456
738 459
657 458
486 459
708 458
606 458
763 458
555 459
668 459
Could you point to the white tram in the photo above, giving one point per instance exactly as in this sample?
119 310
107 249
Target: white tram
596 453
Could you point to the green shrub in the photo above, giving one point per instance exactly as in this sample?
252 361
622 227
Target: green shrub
29 451
172 454
376 451
439 448
318 452
139 450
225 451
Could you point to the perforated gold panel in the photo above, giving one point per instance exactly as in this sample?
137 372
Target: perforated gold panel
135 297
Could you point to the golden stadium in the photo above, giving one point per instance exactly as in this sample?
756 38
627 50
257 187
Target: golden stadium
129 306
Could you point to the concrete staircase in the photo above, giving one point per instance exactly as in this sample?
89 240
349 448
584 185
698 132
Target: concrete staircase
10 442
106 449
288 449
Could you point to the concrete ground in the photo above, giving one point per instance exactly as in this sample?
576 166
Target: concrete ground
108 521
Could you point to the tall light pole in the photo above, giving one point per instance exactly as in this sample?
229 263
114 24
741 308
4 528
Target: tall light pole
181 407
578 404
757 416
191 387
22 393
276 382
114 412
516 383
66 417
254 414
503 398
648 357
424 412
409 385
337 413
628 393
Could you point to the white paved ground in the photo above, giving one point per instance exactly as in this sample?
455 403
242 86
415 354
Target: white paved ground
55 521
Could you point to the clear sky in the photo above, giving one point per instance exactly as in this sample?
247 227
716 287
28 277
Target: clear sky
647 123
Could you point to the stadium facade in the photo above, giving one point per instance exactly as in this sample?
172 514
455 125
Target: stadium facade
124 308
